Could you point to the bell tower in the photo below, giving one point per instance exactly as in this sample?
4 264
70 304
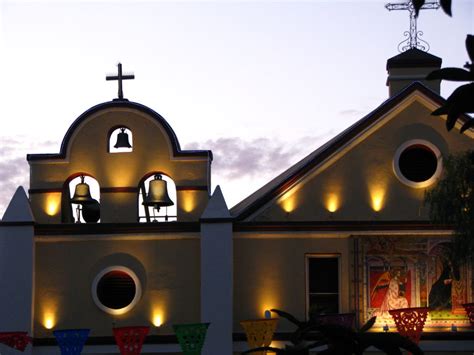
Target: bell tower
118 180
410 66
414 62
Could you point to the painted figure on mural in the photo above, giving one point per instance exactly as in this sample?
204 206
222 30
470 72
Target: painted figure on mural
440 296
392 285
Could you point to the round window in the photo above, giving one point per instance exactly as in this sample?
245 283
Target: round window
417 163
116 290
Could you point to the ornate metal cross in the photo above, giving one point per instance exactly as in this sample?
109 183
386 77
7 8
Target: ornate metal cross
413 41
119 77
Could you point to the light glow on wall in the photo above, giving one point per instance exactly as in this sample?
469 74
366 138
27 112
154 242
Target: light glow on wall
157 317
49 320
268 299
288 202
52 203
188 201
157 320
377 196
332 202
123 173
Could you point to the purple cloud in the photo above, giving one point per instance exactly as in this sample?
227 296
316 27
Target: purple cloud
236 158
14 169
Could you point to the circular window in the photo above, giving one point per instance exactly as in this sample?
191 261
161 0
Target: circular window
417 163
116 290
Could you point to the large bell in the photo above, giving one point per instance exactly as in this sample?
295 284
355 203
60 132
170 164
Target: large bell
158 193
91 212
122 140
82 194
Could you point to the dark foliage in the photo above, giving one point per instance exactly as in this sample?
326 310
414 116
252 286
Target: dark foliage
338 339
451 201
462 99
445 4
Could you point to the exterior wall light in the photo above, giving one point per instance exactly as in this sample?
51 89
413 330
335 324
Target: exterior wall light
157 320
267 314
332 202
49 321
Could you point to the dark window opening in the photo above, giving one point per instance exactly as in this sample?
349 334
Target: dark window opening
323 285
116 289
418 163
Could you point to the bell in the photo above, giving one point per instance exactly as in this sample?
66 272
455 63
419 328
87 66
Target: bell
91 212
122 140
158 194
82 193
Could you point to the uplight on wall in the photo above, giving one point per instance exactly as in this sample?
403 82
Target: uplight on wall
157 319
377 196
188 201
49 320
332 202
52 203
288 202
264 309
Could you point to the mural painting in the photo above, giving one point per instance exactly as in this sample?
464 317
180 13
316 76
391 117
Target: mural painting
414 272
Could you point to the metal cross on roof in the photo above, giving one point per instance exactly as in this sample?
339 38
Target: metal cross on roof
119 77
413 41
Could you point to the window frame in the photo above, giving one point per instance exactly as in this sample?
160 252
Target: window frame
136 298
309 256
406 181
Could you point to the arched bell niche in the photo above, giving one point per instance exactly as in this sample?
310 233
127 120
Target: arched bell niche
120 140
157 206
81 200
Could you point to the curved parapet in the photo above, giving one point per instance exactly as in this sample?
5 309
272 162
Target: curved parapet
86 149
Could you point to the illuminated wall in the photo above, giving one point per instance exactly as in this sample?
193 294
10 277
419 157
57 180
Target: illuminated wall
269 272
168 271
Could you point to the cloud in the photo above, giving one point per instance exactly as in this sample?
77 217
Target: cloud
13 172
236 158
240 165
14 169
351 112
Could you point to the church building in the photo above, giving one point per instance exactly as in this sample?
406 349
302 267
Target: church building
121 228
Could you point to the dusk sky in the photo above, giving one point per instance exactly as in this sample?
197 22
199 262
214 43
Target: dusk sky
260 83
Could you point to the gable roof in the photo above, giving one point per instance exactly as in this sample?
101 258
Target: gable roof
282 182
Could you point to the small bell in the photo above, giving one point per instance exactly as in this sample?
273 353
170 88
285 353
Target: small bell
158 194
122 140
82 193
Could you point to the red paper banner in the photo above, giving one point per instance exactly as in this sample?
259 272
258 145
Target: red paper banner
410 321
469 307
130 339
15 340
